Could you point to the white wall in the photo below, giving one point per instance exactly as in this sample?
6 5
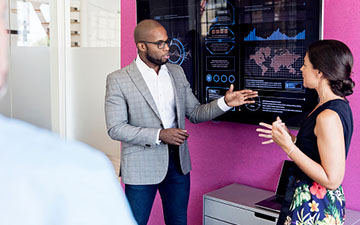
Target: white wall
30 85
85 94
28 96
5 103
87 67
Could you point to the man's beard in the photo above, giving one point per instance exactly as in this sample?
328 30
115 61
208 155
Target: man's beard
155 61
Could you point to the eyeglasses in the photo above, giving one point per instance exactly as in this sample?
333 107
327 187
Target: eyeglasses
160 44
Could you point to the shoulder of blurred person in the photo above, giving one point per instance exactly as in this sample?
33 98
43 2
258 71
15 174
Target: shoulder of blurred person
47 180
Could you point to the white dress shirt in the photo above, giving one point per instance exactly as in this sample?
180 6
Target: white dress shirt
162 91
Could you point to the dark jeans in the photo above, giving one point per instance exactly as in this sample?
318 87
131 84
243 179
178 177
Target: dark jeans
174 191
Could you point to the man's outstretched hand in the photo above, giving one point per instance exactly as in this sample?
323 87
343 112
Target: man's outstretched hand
237 98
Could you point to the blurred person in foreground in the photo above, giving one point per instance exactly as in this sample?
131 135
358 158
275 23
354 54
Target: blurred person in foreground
315 194
46 180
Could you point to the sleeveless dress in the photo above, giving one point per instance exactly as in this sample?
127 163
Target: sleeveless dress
309 202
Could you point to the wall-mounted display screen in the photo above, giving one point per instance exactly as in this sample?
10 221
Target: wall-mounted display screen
179 17
253 44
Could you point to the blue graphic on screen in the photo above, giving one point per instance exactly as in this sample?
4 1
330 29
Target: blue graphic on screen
177 52
276 35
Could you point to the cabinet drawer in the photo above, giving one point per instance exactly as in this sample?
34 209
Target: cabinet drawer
211 221
235 215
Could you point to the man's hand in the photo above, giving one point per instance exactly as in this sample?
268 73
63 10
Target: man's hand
237 98
173 136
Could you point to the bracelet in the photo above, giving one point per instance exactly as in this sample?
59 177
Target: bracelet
291 150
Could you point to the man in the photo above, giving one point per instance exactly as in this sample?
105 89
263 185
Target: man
46 180
146 104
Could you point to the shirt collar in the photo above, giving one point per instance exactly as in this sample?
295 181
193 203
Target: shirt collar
144 68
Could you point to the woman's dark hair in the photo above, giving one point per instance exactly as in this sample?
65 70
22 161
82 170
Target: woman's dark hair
334 59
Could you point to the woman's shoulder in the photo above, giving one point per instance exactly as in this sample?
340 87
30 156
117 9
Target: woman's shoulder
337 103
327 116
333 111
340 106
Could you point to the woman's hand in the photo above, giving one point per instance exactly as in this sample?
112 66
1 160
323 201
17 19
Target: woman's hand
265 133
280 134
277 132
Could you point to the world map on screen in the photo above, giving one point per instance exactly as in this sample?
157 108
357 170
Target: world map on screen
272 61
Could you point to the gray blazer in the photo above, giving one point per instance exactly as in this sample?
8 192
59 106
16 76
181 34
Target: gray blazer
133 118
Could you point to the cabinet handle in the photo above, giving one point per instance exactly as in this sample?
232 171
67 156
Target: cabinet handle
266 217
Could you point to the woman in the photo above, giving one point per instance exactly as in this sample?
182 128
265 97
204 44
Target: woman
315 194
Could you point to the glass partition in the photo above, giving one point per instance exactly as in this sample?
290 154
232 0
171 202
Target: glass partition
29 65
95 23
30 23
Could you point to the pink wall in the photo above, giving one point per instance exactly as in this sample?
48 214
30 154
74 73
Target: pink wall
224 153
342 24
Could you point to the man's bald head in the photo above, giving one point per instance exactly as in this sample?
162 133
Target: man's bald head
145 28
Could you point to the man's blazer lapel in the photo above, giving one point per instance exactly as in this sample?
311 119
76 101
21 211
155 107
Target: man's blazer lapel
140 84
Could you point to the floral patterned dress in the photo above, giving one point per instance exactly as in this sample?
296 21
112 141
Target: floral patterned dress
310 203
314 204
